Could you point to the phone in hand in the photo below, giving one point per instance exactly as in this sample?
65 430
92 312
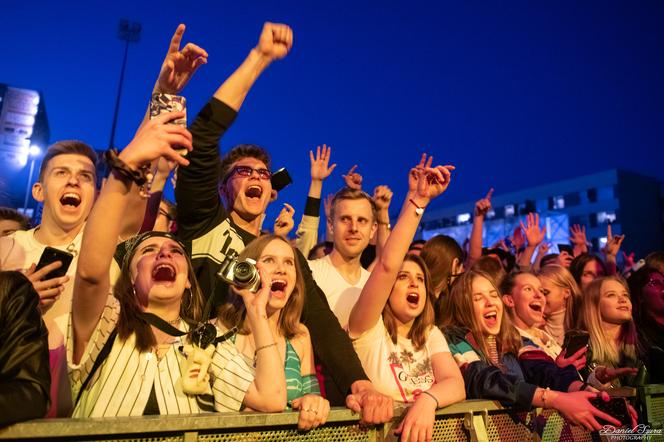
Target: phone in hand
280 179
51 255
566 248
616 407
162 103
574 341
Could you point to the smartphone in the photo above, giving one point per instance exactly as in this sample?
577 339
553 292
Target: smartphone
616 407
161 103
574 341
566 248
280 179
51 255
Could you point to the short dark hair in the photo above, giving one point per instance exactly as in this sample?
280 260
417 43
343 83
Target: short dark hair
347 193
7 213
67 147
242 151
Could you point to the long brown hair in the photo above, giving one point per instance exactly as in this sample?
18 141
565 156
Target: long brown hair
424 321
604 351
232 313
460 313
130 321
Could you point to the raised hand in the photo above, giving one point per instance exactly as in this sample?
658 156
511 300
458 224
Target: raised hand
518 238
275 41
426 183
629 261
613 242
156 139
484 205
284 222
314 410
179 66
319 163
353 179
382 196
544 248
534 234
49 290
578 239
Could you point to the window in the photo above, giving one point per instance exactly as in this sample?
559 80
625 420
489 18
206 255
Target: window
606 217
558 202
592 195
463 218
509 210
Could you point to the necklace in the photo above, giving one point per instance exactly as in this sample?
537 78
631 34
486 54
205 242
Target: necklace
175 321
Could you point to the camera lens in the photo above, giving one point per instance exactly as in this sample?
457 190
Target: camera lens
244 272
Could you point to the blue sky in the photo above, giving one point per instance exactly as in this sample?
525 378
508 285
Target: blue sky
514 94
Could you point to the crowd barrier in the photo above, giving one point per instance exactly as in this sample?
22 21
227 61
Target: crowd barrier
472 420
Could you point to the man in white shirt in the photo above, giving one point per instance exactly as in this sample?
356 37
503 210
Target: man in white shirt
66 187
353 221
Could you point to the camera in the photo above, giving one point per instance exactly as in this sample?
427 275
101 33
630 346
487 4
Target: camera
242 274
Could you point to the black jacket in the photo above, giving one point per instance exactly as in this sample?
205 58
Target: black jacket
25 379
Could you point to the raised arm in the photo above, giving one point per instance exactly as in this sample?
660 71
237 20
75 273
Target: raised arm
424 184
481 208
535 235
196 192
307 231
613 243
382 197
91 285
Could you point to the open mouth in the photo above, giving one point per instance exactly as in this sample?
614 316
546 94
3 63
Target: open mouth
491 319
70 199
536 307
413 299
254 192
164 273
278 288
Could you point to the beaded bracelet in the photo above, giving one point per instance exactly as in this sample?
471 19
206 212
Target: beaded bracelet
140 176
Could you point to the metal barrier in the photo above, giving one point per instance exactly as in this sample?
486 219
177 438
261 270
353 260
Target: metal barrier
473 420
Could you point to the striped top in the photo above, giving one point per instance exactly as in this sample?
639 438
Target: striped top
122 384
297 384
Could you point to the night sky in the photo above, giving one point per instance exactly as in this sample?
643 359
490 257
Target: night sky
515 94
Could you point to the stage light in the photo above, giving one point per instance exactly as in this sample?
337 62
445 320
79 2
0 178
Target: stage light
34 150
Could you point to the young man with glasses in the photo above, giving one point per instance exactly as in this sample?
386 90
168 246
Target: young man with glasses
211 229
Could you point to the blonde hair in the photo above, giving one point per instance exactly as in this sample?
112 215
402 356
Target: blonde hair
460 312
561 277
603 349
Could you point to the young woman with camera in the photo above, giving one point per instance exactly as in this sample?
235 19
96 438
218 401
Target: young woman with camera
403 353
276 299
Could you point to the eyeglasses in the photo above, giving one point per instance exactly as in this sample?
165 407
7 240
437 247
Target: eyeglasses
246 171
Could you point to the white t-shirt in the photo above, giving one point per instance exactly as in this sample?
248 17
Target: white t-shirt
19 251
397 370
340 294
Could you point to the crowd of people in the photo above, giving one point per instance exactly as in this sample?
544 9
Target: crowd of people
193 306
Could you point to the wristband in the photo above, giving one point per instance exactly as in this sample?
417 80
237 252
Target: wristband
544 397
432 397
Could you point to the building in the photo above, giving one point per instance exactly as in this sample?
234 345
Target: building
632 203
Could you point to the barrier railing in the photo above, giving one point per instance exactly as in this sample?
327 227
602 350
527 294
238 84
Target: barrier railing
472 420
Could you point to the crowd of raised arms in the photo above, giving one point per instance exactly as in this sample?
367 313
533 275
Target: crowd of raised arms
155 315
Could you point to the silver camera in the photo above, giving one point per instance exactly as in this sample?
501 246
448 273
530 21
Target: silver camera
241 274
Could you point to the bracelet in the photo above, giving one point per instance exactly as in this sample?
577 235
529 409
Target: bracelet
262 347
544 397
140 176
432 397
418 210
